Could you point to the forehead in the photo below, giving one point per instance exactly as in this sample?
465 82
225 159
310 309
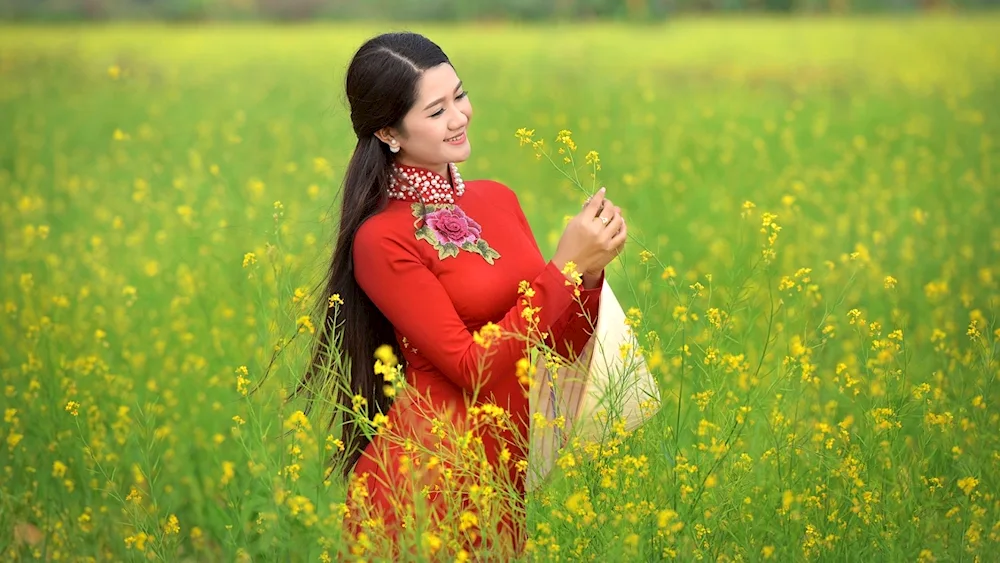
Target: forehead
436 82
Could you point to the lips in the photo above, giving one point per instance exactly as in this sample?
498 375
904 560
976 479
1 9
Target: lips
457 139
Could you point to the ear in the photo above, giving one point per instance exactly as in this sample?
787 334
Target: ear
389 136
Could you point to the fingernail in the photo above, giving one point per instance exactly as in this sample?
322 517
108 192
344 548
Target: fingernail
603 189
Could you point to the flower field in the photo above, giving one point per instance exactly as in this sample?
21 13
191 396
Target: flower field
813 274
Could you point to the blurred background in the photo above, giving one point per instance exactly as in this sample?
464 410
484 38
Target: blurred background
451 10
814 269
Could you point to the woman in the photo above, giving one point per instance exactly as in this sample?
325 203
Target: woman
442 270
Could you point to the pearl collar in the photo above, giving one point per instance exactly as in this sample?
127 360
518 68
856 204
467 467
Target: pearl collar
410 183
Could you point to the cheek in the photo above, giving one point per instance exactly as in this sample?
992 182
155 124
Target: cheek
421 133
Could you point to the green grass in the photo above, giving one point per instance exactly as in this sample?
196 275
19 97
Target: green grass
873 142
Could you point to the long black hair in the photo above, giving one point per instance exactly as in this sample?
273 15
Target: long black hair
381 84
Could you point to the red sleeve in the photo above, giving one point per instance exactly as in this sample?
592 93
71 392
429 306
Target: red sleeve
425 315
570 333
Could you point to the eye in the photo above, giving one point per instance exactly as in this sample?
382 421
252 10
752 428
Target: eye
459 97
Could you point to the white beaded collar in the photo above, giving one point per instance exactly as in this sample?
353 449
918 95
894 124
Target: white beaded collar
410 183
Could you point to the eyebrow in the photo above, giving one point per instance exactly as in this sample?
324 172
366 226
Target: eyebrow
439 100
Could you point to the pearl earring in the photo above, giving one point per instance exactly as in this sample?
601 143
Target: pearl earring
394 148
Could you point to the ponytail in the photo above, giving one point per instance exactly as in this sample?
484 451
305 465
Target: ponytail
346 368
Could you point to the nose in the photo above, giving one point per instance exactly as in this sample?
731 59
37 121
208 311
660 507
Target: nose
460 120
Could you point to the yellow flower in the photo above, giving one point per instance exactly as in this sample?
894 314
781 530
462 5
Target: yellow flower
138 541
27 282
968 484
973 331
681 313
431 542
292 471
358 402
228 472
134 495
528 313
487 335
633 317
667 522
320 164
467 520
524 371
885 419
332 443
335 300
538 146
242 380
73 407
566 137
524 288
249 258
385 354
13 439
305 324
380 422
172 526
186 212
569 269
786 283
297 421
524 136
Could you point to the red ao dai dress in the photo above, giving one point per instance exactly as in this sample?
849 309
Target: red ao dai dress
439 279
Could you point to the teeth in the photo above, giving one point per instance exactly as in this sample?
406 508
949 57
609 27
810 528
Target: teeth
456 137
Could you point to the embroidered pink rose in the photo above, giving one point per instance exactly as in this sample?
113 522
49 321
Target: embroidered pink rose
454 226
449 230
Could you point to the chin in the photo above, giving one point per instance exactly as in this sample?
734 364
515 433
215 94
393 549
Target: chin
463 154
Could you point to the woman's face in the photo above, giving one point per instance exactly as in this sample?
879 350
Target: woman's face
436 125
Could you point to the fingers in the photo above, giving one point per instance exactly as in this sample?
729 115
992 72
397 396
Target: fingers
594 205
614 225
609 211
618 241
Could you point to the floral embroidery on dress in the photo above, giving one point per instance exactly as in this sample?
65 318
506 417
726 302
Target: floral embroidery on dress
448 229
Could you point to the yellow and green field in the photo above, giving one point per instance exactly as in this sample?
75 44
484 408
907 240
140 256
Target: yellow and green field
814 272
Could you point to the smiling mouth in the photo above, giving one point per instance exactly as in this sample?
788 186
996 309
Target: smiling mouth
456 137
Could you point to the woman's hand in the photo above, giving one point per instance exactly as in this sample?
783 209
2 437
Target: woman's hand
594 237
